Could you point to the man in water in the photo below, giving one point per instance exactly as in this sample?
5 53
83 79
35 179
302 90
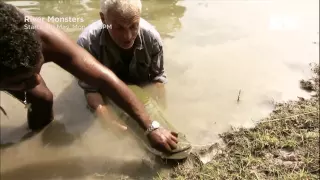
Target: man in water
23 51
129 46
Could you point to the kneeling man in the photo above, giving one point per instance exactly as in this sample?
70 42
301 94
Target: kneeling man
129 46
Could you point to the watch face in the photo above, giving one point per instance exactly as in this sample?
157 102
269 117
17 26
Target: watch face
155 124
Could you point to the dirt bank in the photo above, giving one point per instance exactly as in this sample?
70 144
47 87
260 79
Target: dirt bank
283 146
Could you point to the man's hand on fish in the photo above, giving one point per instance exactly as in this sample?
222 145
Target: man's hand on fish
163 140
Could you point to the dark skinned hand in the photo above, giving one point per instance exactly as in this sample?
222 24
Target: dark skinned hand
163 140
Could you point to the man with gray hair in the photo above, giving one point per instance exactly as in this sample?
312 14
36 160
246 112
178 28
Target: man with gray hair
130 47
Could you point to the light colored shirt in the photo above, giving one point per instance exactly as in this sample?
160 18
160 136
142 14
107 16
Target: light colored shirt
146 64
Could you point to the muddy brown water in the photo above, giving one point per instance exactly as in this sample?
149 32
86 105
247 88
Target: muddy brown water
213 49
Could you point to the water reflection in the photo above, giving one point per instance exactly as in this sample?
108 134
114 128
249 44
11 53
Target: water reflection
164 15
54 8
32 6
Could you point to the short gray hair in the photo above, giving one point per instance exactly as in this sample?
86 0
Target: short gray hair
119 5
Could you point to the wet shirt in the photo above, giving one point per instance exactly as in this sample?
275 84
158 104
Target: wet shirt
143 65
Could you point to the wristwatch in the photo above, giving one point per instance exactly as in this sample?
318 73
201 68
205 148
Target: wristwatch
154 125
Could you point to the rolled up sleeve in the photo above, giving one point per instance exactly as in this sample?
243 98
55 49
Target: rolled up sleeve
158 73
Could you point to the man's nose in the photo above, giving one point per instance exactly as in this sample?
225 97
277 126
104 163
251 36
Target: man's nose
127 35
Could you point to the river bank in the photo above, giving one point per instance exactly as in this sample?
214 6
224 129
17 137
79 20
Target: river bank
284 145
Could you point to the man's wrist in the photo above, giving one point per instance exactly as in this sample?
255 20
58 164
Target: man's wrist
146 124
153 126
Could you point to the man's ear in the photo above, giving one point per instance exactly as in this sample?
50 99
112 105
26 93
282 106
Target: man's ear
102 18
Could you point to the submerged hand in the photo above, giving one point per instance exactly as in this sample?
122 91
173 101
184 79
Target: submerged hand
117 125
163 140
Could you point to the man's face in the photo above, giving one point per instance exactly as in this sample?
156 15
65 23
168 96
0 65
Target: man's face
124 29
23 81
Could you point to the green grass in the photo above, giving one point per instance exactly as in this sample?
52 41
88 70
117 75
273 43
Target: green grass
283 146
